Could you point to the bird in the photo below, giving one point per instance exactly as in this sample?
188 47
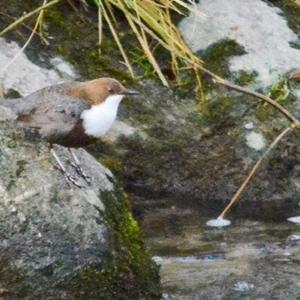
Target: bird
71 114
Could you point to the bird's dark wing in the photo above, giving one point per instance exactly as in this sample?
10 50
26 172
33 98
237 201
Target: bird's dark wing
50 111
14 104
53 114
49 96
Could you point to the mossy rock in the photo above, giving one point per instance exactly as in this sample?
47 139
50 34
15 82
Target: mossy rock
62 242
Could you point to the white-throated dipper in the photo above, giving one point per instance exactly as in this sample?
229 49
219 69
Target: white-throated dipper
72 114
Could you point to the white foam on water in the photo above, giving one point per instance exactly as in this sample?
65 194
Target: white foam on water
295 220
219 223
255 141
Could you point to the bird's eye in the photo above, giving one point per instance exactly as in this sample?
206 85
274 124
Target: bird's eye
110 90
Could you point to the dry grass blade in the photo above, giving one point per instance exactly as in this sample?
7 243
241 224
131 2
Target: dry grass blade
38 21
100 27
23 18
147 18
141 36
111 12
253 171
1 90
115 35
145 46
25 26
260 96
152 18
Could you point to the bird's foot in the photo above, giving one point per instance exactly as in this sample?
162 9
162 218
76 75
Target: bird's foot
81 172
70 179
77 165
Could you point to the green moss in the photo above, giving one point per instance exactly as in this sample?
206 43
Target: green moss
280 91
11 93
128 272
127 237
13 281
218 112
76 41
139 58
12 143
55 196
21 167
291 11
11 183
154 145
217 55
114 165
245 78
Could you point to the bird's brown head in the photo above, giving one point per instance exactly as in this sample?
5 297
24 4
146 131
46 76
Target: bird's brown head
96 91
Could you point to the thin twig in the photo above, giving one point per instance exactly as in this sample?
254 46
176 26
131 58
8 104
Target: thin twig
117 40
70 2
238 88
141 36
76 10
24 25
260 96
27 42
100 28
1 90
254 169
26 16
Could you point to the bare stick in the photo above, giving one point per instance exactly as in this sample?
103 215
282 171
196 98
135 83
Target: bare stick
24 25
100 28
238 88
1 90
262 97
20 20
27 42
254 169
72 5
76 10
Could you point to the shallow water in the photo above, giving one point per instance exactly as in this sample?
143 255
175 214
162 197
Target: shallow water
248 260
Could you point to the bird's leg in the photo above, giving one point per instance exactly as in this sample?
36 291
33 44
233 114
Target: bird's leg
78 168
68 177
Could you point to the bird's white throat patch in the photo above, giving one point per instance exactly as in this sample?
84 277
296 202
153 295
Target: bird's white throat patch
99 118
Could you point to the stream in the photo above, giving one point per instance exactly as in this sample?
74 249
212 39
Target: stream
248 260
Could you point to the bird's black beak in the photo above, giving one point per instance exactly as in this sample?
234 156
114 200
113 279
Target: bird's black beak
130 93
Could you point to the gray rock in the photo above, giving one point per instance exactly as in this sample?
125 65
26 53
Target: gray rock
55 237
23 75
200 161
259 27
